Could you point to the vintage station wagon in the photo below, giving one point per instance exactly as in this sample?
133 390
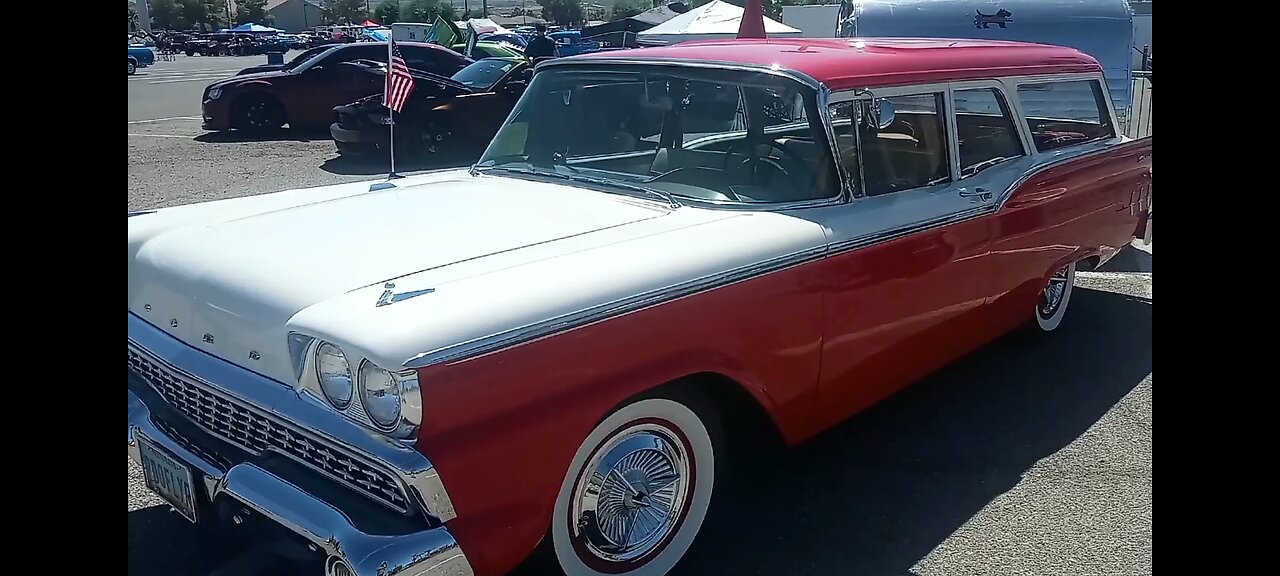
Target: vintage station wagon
661 248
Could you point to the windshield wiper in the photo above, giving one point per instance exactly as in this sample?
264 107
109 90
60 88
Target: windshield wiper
666 197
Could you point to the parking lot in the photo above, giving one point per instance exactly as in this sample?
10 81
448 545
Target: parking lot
1031 457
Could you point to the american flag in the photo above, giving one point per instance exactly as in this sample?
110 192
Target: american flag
399 82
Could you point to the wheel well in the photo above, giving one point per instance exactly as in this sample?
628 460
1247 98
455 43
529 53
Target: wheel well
134 60
743 420
1089 263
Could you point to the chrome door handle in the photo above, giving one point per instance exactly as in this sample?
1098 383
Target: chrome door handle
979 193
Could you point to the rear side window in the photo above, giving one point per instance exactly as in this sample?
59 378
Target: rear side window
1065 113
430 60
985 130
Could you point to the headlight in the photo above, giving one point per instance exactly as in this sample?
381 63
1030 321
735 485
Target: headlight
215 93
381 394
334 374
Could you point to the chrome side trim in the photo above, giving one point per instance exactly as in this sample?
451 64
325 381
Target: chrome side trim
429 552
412 468
616 308
525 334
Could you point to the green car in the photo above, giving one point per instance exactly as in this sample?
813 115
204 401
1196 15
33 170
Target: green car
486 49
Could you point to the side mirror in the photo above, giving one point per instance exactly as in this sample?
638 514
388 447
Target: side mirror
880 113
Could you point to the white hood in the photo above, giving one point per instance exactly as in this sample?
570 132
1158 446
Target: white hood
237 276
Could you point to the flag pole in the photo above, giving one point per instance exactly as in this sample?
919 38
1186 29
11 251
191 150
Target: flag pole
391 114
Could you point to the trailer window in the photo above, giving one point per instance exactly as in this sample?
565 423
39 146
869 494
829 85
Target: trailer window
1065 113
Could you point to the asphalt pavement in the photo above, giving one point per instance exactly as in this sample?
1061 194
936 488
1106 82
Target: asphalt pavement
1031 457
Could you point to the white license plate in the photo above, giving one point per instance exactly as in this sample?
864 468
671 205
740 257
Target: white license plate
168 478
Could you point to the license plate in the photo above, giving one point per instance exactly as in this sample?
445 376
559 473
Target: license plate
168 478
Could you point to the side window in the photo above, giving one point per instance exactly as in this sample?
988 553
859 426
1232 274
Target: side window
1065 113
985 129
909 151
427 60
377 53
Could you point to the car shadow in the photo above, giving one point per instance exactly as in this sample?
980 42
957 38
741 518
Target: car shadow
372 165
282 135
876 494
1130 259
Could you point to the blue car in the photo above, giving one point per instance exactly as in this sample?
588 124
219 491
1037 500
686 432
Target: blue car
140 57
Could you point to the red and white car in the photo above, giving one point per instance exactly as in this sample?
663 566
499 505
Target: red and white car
661 247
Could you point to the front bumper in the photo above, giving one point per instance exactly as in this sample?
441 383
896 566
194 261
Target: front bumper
370 541
371 136
214 114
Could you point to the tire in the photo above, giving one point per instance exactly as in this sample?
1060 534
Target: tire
258 113
1051 307
190 52
133 67
653 461
435 136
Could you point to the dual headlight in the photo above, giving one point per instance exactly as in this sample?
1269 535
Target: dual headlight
389 401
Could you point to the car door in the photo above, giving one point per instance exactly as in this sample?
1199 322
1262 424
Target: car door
906 257
329 83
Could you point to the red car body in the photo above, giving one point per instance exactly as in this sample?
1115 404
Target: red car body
304 96
823 340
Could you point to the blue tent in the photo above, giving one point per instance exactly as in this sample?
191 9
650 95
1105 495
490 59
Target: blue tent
256 28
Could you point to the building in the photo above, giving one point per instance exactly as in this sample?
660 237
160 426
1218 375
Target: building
296 15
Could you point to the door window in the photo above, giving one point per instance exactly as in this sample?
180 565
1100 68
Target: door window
905 149
985 129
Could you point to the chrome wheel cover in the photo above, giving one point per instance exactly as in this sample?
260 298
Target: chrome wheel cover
631 493
1051 297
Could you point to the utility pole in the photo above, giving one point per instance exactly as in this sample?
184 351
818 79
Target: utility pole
484 8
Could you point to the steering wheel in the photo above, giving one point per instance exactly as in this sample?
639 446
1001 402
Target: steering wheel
756 161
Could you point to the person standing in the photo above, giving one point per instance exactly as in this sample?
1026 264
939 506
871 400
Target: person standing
540 46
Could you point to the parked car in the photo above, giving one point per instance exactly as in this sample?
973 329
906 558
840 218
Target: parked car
489 49
306 94
456 115
292 64
140 57
661 251
570 43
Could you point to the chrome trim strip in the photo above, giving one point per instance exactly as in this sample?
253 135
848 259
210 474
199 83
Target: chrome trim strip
525 334
616 308
281 400
429 552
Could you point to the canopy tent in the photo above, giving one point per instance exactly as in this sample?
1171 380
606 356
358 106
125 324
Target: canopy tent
711 21
485 26
256 29
622 33
371 24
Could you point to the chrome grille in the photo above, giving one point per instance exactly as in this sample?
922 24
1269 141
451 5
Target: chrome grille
256 432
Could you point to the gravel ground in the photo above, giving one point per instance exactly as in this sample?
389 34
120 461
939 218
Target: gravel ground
1031 457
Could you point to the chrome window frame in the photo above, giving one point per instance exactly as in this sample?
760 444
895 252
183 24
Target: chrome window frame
1018 120
861 94
1012 84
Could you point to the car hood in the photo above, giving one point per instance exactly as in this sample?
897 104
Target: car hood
228 280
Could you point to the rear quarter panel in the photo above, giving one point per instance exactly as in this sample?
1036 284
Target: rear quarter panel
1072 210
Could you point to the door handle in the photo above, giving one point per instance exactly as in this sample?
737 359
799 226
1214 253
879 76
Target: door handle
979 193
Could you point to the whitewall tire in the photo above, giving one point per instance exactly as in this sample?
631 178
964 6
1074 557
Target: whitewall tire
636 493
1052 303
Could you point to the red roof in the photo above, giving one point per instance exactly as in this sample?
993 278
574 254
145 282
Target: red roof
844 63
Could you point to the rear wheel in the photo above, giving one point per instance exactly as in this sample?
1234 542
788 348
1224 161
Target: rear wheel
636 493
258 113
132 67
1055 296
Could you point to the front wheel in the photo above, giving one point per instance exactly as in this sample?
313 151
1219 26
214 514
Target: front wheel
258 113
132 67
1055 296
636 493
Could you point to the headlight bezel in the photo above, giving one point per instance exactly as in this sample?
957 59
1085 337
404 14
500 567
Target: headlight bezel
305 352
215 93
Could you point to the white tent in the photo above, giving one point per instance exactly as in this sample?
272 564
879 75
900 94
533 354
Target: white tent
714 20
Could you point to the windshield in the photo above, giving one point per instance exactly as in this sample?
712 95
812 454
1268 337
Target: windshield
690 133
302 58
483 74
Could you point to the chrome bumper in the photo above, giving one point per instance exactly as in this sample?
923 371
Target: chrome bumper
431 552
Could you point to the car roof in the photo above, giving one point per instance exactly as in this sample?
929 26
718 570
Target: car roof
846 63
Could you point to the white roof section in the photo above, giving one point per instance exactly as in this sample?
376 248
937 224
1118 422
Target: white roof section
712 21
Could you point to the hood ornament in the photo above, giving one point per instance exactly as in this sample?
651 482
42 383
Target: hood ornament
389 296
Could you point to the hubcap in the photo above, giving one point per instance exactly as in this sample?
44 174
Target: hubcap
631 494
1051 298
